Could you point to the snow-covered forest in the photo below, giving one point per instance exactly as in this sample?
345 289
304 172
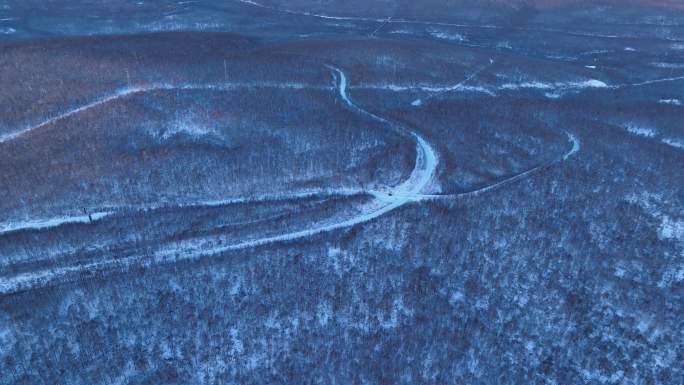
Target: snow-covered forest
341 192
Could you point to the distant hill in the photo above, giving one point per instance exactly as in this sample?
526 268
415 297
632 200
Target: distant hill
477 9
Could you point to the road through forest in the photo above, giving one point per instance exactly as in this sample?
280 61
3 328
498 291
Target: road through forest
389 199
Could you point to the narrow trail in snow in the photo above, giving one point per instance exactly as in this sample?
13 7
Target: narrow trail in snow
572 139
460 84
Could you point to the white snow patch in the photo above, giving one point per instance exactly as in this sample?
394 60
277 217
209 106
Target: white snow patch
630 49
665 65
456 297
641 131
401 32
447 36
417 103
334 251
561 57
590 83
186 127
671 229
590 67
575 145
524 85
38 224
595 52
237 346
426 88
324 313
674 102
674 142
643 324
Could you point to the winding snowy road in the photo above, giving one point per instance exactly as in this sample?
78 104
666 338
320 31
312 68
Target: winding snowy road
391 198
409 190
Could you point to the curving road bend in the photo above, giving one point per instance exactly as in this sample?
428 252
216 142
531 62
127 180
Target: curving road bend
385 201
409 190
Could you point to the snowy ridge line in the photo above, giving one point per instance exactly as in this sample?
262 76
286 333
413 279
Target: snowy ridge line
576 145
128 91
95 216
408 191
553 90
392 20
